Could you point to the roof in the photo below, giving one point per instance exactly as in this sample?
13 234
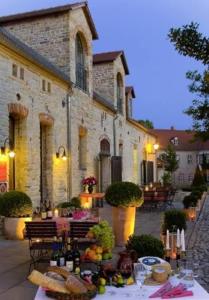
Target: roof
130 89
53 10
101 58
139 126
186 140
100 99
8 40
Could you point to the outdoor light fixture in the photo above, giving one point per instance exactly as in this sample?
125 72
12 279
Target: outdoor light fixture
11 152
156 146
61 153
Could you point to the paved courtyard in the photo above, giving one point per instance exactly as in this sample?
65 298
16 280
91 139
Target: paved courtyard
15 255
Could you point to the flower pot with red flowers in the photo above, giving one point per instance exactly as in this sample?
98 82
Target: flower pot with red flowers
89 183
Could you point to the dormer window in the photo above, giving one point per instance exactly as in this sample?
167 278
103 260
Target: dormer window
119 94
175 141
80 64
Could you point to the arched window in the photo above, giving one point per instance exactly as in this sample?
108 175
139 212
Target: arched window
80 64
119 93
104 147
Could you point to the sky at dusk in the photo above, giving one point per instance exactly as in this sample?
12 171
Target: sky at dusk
140 28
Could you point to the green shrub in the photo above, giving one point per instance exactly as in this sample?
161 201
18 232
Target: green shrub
174 219
198 178
190 200
197 193
15 204
74 202
145 245
202 188
124 194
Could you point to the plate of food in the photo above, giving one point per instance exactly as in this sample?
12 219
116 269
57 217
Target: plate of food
150 261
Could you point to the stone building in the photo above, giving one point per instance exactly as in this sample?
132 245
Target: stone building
190 153
60 101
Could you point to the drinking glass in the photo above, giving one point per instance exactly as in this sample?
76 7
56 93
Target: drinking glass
186 274
140 273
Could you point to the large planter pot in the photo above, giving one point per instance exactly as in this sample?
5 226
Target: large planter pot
14 228
123 224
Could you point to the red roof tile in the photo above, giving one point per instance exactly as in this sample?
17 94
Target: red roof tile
105 57
185 140
53 10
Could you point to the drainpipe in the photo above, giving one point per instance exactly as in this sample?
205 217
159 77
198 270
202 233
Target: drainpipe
114 134
69 164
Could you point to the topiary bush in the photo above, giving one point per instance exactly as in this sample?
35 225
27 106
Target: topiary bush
73 203
174 219
199 178
145 245
16 204
124 194
190 200
197 193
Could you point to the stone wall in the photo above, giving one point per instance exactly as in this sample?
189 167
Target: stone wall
49 35
27 137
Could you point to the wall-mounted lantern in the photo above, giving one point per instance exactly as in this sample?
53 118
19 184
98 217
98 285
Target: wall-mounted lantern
61 153
10 150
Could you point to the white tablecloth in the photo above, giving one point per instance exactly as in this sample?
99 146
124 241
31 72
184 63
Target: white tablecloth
133 292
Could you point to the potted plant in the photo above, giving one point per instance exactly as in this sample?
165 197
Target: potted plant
145 245
174 219
124 197
89 182
16 207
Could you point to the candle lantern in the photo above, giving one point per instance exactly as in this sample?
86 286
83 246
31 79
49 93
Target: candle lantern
192 213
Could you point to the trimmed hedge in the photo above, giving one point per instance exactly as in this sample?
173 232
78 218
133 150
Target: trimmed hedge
145 245
15 204
124 194
174 219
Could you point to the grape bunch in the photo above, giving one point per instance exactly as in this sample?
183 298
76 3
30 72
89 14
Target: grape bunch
103 234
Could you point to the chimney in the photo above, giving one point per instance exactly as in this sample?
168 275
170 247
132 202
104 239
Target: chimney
172 127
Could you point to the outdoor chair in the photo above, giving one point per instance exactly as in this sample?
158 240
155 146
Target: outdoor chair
40 236
148 199
79 230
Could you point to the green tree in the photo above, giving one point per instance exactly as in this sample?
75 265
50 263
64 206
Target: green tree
170 161
146 123
189 42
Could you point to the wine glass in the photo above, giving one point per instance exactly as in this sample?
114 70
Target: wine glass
140 273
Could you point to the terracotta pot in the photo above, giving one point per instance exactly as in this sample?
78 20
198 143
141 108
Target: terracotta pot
14 228
123 224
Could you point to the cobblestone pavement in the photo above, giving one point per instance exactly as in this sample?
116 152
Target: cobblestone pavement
199 246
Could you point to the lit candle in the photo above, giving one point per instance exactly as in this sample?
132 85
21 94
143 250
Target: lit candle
56 213
178 240
167 240
182 241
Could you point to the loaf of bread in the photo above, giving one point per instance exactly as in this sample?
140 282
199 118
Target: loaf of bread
48 283
64 273
74 285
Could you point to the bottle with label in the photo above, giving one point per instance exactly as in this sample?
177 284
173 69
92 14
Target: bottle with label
76 256
55 254
61 258
69 256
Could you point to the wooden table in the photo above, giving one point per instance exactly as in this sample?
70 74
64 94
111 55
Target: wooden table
97 198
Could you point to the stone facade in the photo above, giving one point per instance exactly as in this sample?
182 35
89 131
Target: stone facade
27 130
80 122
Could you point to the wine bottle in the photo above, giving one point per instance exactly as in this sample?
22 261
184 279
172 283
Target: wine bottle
43 214
55 254
49 212
76 256
61 258
69 256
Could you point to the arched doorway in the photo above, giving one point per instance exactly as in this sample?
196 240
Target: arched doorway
105 164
